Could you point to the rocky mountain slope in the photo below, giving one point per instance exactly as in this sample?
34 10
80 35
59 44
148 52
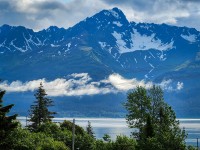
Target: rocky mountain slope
102 45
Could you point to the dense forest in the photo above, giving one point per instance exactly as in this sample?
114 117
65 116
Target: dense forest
157 127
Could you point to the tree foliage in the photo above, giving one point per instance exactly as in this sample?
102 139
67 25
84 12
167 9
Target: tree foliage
83 140
121 143
23 139
106 138
155 120
90 130
39 112
67 125
124 143
7 123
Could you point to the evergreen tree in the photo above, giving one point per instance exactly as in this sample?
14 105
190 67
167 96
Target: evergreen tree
39 112
90 130
107 138
7 123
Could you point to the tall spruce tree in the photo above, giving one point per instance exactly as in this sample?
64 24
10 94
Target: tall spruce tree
90 130
39 112
7 123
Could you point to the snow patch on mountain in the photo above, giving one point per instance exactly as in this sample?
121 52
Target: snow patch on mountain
68 47
52 45
106 47
145 58
30 41
102 44
135 60
141 42
3 43
114 13
106 13
144 42
18 48
120 42
162 56
151 67
151 54
117 23
191 37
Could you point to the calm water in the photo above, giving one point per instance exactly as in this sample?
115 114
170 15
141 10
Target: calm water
118 126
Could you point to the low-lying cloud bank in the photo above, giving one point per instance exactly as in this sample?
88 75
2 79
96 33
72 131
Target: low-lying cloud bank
83 84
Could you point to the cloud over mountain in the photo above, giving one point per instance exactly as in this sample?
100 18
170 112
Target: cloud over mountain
39 14
82 84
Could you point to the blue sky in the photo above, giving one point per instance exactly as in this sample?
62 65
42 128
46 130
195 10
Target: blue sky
40 14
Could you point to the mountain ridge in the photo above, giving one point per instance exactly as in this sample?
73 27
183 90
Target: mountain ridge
101 45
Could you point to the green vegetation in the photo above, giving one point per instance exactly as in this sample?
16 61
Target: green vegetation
121 143
155 120
39 112
7 123
90 130
23 139
147 111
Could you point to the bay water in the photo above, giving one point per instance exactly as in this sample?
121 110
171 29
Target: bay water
118 126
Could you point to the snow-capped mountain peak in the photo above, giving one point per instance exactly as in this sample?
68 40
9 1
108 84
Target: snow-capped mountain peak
99 46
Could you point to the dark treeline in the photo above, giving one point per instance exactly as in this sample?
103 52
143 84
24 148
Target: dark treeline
156 122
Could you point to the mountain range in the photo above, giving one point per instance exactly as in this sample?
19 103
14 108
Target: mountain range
98 61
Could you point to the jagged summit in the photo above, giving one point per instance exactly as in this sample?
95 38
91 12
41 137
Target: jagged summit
103 19
54 29
101 45
115 12
108 16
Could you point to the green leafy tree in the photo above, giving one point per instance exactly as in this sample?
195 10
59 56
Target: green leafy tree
155 120
23 139
191 147
7 123
124 143
83 141
107 138
138 106
67 125
121 143
148 128
103 145
90 130
39 112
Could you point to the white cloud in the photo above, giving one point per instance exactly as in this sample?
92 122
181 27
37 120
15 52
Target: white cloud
170 85
18 86
82 84
123 84
77 85
179 85
179 12
40 14
165 84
